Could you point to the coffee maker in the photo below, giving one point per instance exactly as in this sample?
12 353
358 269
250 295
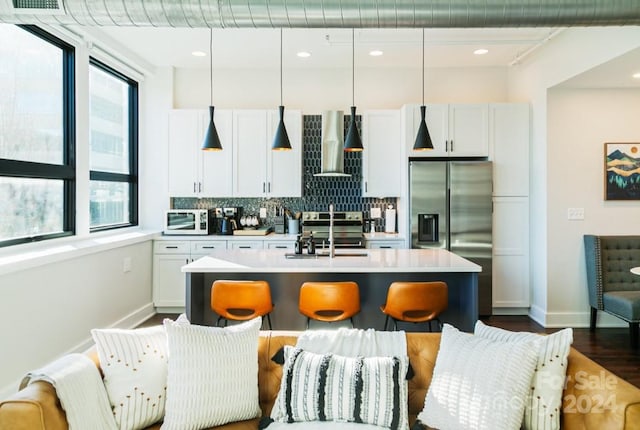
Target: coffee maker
227 220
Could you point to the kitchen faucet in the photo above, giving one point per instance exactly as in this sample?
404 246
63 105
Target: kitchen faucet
332 248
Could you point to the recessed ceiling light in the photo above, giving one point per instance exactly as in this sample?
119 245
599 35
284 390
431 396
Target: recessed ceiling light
481 51
376 53
636 75
199 54
304 54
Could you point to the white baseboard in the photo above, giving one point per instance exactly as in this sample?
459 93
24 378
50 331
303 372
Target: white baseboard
573 319
132 320
510 311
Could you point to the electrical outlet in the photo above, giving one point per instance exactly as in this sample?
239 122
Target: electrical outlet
376 213
575 214
126 265
263 212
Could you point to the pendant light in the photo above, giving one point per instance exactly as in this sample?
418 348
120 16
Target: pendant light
281 139
211 139
353 142
423 139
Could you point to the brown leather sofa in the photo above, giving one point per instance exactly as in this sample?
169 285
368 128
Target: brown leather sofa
594 398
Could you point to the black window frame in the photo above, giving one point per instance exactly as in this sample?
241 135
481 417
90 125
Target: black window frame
132 177
66 171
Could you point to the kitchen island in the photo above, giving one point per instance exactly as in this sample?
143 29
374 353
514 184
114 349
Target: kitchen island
372 269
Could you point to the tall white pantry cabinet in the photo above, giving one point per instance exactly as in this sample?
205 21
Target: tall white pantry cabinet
510 135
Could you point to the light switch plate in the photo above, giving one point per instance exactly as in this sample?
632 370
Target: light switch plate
575 214
376 213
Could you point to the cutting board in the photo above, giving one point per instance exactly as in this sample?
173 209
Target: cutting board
261 231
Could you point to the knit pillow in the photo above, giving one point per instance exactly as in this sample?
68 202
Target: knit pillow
134 365
317 387
544 403
478 384
212 374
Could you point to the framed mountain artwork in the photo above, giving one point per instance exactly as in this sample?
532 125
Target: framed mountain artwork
622 167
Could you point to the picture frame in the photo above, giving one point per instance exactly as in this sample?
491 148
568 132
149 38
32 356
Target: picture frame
622 171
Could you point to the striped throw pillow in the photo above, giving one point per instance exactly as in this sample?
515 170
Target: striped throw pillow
326 387
544 403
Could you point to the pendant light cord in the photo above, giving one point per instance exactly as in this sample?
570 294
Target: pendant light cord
423 67
280 66
353 68
211 65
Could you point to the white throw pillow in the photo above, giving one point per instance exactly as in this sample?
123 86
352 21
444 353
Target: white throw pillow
134 364
544 404
478 384
333 388
212 374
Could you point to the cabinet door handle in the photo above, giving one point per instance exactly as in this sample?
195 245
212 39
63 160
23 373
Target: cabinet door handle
208 247
366 187
264 187
194 187
281 246
171 247
385 247
244 247
187 260
269 186
451 145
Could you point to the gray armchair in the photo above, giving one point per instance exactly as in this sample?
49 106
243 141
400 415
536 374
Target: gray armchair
612 287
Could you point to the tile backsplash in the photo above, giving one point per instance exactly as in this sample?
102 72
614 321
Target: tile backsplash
318 192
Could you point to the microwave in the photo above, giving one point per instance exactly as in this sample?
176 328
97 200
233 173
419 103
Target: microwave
188 221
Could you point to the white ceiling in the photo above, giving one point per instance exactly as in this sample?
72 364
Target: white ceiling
331 48
259 48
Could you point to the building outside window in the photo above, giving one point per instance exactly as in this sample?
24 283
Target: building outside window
37 114
113 123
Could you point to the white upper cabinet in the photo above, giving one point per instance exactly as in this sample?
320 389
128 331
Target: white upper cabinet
260 171
284 168
509 131
456 130
382 153
193 172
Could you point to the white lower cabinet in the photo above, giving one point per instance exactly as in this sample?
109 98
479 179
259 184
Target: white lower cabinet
385 244
280 244
169 283
510 252
168 280
245 244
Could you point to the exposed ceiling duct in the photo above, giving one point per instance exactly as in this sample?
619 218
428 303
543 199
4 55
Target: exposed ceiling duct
328 13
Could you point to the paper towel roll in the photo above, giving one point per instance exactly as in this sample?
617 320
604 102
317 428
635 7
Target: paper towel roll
390 221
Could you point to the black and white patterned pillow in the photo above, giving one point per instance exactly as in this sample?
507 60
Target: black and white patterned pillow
327 387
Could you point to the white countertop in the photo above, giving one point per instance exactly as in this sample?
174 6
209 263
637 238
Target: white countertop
270 236
376 260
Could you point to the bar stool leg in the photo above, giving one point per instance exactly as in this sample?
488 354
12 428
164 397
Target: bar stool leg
352 325
269 321
386 323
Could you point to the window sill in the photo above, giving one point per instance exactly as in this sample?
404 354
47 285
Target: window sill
27 256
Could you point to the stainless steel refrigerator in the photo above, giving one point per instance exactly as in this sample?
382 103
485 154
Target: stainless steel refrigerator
451 208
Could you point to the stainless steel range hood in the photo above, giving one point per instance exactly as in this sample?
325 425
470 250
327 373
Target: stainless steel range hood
332 161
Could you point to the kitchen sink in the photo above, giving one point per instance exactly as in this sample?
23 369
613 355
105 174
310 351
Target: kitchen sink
324 254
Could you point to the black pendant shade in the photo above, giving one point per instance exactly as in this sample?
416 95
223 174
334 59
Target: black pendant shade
281 140
211 139
423 138
353 142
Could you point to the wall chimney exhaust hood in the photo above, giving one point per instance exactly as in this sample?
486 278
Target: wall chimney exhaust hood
332 161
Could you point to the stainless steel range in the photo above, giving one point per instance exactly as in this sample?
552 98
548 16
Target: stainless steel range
347 229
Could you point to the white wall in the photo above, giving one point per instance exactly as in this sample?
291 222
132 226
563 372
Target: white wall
576 178
48 311
574 51
316 90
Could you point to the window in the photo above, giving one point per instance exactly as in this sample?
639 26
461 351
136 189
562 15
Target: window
37 123
113 124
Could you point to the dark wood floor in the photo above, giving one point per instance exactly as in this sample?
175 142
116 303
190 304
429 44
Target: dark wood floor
607 346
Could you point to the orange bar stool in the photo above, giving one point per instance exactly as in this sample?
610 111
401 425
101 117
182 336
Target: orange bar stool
415 302
329 301
241 300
